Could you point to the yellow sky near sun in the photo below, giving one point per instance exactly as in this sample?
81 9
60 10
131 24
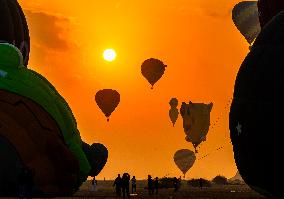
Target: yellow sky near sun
197 41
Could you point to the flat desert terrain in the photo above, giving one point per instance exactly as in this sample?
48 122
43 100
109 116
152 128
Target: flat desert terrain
106 191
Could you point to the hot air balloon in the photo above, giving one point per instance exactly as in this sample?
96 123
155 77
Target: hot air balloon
97 155
107 100
184 160
256 114
245 17
14 29
173 112
153 69
38 131
196 121
268 9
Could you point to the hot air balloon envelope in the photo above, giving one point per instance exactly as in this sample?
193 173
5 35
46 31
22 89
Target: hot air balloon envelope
184 159
245 17
107 100
196 121
152 69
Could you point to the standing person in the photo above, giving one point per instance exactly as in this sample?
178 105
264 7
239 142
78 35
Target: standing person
94 184
125 185
117 183
156 184
150 185
133 183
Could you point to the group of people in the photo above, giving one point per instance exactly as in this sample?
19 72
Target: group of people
153 185
121 184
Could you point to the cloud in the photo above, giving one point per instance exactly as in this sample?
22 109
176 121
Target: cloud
49 30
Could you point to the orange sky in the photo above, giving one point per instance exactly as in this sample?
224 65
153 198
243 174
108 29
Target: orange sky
196 39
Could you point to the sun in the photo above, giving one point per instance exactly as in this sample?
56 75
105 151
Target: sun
109 55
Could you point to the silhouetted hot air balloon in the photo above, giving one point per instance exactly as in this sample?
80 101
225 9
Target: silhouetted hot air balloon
184 160
268 9
153 69
97 155
107 100
38 130
196 121
245 17
14 29
173 112
256 115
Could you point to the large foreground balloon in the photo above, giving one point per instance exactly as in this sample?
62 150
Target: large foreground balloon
245 17
268 9
196 121
173 112
107 100
184 159
38 131
14 28
256 115
153 69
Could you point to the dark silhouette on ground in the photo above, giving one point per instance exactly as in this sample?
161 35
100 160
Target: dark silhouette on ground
125 185
117 184
156 185
133 184
150 185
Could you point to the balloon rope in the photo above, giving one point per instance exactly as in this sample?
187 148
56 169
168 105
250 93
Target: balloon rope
217 149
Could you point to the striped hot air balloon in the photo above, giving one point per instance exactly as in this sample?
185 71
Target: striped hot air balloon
245 18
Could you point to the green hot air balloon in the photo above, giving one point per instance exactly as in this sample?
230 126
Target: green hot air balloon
184 159
153 69
107 100
38 131
245 17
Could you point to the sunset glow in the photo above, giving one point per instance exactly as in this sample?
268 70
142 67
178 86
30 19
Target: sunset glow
196 39
109 55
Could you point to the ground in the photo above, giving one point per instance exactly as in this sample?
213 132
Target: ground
106 191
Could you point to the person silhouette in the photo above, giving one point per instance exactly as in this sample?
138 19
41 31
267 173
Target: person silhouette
156 184
117 183
94 184
150 185
125 185
200 183
133 183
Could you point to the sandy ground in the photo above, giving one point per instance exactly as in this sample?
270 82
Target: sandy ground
106 191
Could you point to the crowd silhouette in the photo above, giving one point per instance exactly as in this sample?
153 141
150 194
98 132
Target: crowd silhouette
122 185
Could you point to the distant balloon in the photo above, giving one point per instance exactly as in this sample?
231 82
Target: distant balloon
196 121
174 102
173 112
245 17
268 9
107 100
152 69
184 160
